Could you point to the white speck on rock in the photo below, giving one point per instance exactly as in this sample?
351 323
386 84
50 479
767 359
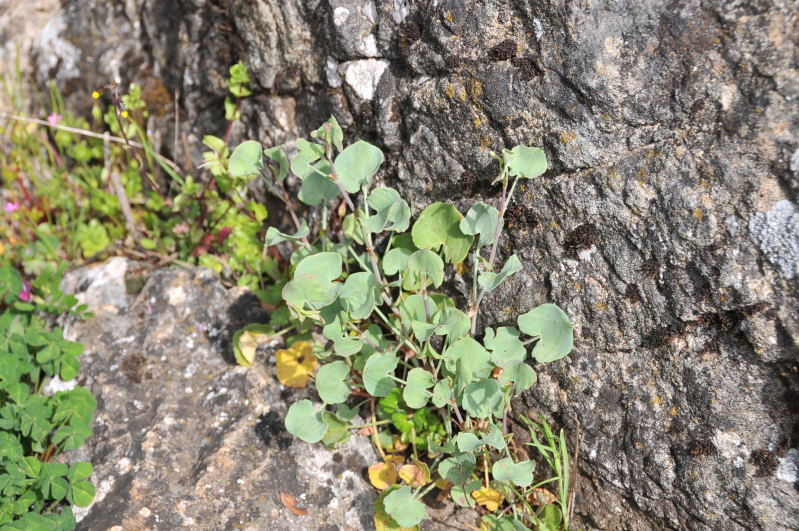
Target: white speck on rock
776 232
363 76
340 15
538 29
788 469
401 10
585 254
794 164
189 390
331 71
369 46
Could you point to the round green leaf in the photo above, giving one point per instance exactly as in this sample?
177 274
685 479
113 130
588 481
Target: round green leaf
312 283
304 422
553 329
424 267
357 164
457 468
246 159
442 393
415 394
307 153
316 189
439 226
471 353
376 371
359 294
481 398
69 368
526 162
331 382
274 236
519 473
404 508
481 219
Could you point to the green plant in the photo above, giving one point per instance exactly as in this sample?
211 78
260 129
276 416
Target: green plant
370 283
75 191
35 490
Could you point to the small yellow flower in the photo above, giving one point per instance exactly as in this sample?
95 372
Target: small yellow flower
124 114
95 95
295 365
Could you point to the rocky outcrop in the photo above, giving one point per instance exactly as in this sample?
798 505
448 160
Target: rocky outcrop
666 227
185 439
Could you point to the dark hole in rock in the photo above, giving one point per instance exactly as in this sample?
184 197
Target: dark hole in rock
503 51
765 462
271 431
581 238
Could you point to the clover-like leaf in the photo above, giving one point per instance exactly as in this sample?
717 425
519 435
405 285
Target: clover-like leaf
481 219
80 470
331 382
415 392
439 226
313 284
406 510
505 345
81 493
376 373
489 281
295 365
521 474
481 398
526 162
357 164
306 423
424 268
274 236
393 212
245 159
553 329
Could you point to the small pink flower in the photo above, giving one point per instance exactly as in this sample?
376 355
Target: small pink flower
25 294
53 119
11 207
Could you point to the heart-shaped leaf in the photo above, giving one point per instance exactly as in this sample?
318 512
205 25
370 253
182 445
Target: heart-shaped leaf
393 212
439 226
313 284
331 382
482 398
359 294
521 474
274 236
457 468
489 281
526 162
481 219
406 510
505 345
376 371
553 329
396 260
415 392
307 154
315 188
357 164
471 353
245 159
518 373
304 422
424 268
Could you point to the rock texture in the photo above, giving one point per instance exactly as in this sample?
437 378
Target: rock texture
666 227
185 439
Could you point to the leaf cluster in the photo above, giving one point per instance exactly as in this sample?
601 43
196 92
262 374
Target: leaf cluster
35 428
390 336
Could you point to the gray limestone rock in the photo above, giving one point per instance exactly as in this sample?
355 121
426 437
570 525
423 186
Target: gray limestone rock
184 438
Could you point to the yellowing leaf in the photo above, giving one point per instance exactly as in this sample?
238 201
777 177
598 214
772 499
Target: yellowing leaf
247 340
414 475
382 475
295 365
488 498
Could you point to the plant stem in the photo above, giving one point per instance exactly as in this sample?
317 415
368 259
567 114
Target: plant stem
369 424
